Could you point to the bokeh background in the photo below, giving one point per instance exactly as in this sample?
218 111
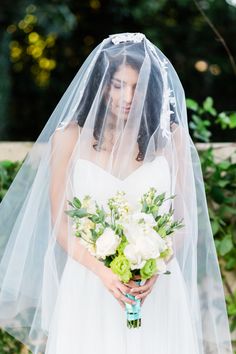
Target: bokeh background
44 43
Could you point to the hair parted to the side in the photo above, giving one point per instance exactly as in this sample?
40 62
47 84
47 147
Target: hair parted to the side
153 102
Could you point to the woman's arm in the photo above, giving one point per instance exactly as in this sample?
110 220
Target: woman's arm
63 144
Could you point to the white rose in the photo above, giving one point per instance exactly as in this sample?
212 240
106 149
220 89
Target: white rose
148 247
161 266
132 254
132 231
161 242
107 243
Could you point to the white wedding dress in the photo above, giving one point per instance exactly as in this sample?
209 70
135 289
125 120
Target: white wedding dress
88 319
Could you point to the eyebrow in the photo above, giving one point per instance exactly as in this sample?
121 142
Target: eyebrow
120 81
117 80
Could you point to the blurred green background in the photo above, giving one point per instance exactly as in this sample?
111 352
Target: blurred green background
43 44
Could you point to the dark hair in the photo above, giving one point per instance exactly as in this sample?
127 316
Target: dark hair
153 101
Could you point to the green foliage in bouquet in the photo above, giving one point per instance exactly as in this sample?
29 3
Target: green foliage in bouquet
121 266
90 221
148 269
151 203
133 239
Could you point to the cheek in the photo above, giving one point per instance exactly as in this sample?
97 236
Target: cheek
115 95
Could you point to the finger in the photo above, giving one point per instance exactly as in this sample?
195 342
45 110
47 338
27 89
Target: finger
140 289
118 295
143 295
124 289
149 283
131 284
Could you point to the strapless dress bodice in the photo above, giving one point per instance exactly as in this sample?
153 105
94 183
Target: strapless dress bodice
91 179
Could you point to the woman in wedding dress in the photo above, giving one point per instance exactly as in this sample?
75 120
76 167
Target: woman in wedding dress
120 126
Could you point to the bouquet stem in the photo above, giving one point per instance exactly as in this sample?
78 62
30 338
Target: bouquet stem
133 312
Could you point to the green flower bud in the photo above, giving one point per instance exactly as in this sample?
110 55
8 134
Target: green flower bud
149 269
121 266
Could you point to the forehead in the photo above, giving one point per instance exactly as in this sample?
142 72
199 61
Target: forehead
127 74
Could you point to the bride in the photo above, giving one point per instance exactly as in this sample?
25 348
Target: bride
120 126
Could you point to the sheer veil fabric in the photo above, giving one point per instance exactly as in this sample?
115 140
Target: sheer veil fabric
124 107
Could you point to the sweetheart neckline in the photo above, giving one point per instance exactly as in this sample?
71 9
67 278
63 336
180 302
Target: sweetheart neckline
117 178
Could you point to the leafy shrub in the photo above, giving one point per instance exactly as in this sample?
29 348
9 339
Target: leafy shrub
220 186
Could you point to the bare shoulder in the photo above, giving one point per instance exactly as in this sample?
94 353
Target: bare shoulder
68 131
65 137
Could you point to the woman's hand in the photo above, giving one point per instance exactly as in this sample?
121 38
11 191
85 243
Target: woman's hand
115 286
141 292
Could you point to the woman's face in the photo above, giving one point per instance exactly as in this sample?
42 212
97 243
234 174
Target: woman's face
122 89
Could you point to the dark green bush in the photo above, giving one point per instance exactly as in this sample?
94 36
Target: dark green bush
220 186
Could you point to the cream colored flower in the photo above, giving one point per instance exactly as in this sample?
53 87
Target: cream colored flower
107 243
148 247
89 204
131 252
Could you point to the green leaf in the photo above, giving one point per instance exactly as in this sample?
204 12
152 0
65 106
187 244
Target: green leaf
215 226
232 123
80 213
231 263
208 106
223 183
71 213
76 202
232 117
191 104
217 244
226 245
224 165
6 163
223 119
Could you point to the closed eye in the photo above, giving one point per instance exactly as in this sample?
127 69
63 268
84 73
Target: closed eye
117 86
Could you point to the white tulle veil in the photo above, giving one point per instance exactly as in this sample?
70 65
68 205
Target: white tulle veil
124 107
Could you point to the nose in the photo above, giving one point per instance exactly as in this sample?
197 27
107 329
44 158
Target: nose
128 95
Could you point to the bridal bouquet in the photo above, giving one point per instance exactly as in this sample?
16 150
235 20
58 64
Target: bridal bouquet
134 243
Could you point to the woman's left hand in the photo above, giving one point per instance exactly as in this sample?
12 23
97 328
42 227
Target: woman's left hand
141 292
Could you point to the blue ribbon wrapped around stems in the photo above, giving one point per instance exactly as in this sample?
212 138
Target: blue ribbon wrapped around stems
133 311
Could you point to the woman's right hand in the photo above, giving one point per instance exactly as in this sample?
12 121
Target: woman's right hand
115 286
